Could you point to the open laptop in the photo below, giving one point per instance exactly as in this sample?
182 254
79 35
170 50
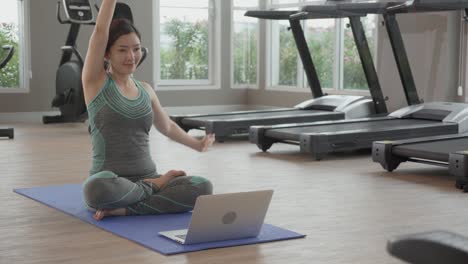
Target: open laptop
224 217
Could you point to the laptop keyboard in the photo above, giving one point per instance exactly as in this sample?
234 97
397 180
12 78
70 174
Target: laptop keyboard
181 236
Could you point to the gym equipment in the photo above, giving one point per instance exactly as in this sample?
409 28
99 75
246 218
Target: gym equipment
322 107
447 151
69 96
432 247
417 120
141 229
10 51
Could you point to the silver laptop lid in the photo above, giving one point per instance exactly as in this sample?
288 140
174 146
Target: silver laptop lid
228 216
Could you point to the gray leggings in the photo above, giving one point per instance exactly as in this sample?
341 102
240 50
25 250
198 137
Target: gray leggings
106 190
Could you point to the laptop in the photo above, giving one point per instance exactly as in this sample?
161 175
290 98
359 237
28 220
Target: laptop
226 216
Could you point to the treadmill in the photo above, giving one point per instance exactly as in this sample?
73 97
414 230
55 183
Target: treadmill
322 107
450 151
10 50
416 120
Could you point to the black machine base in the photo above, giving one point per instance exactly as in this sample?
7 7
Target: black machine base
7 132
63 119
430 248
257 136
431 150
382 153
458 167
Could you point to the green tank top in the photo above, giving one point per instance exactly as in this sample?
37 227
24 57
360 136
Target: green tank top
120 132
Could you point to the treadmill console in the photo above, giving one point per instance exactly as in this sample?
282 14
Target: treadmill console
78 11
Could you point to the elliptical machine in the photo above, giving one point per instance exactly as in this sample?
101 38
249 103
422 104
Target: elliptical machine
7 132
69 96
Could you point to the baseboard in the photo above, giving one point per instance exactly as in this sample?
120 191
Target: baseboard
25 117
36 117
209 109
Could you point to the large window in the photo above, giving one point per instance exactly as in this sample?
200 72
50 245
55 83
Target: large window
244 41
331 45
284 57
353 74
185 43
321 38
187 51
13 32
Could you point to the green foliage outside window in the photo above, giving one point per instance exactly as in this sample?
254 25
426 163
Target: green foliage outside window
288 58
353 74
322 52
321 47
187 56
245 55
9 76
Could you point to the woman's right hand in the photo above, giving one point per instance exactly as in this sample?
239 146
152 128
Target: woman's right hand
206 142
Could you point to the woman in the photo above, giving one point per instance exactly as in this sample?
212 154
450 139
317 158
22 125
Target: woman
121 112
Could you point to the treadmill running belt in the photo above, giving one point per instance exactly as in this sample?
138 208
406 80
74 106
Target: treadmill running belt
253 116
351 127
435 150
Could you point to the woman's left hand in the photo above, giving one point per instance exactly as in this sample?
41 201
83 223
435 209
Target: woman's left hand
206 142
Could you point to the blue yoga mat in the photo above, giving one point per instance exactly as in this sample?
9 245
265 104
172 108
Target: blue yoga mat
142 229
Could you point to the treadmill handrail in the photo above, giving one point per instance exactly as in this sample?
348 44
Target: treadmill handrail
415 6
270 14
325 14
410 6
400 6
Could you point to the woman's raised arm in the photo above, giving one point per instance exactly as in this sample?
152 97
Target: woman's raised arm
94 74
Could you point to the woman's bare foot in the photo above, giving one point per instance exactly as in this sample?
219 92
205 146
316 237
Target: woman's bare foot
101 213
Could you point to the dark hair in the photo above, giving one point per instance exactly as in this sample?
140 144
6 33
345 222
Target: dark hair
118 28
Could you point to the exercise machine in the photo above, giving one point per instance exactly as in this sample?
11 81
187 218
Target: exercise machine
69 96
10 51
449 151
431 247
322 107
416 120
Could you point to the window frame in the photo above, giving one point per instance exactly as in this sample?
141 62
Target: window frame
338 67
214 62
24 50
375 36
273 71
257 81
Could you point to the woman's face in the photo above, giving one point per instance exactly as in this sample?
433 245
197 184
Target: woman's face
125 54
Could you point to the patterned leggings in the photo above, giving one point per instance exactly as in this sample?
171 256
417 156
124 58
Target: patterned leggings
106 190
